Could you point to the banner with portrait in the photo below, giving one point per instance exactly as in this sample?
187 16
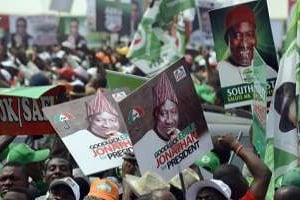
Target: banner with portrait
26 31
79 31
21 109
202 34
242 37
113 16
167 129
93 130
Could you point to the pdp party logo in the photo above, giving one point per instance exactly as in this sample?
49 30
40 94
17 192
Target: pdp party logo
63 118
134 114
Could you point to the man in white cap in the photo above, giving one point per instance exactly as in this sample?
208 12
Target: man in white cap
65 188
209 189
165 109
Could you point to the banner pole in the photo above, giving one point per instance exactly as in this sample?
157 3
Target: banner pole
232 153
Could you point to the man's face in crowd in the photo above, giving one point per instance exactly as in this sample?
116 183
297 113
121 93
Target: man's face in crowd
61 192
12 195
12 176
209 194
242 41
21 26
104 124
74 27
57 168
167 119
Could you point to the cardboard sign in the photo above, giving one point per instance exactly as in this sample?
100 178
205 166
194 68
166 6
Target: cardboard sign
21 109
242 36
118 80
28 30
166 123
93 130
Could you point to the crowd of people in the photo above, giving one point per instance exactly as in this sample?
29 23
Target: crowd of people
44 169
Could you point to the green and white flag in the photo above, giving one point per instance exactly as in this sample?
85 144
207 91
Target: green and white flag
160 38
282 123
259 106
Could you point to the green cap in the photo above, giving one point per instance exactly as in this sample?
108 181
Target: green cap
210 161
292 177
23 154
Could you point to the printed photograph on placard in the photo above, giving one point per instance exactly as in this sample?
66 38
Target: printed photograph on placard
242 37
93 130
167 129
26 31
113 16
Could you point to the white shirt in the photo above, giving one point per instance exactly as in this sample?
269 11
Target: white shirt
233 75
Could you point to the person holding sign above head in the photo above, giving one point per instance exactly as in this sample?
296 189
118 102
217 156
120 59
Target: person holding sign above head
240 37
166 115
102 117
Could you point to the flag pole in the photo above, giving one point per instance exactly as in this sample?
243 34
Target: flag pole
232 153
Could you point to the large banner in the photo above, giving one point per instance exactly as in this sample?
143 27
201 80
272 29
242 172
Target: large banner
21 109
113 16
161 36
28 30
167 129
242 34
93 130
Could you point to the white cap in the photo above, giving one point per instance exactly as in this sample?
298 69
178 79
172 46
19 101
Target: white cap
9 63
218 185
69 182
5 74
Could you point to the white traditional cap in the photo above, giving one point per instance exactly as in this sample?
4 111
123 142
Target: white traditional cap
100 104
163 91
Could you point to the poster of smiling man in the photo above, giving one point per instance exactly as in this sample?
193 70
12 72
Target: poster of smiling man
242 36
167 129
93 130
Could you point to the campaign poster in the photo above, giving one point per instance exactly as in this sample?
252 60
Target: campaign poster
21 109
202 34
113 16
4 29
79 31
242 37
93 130
26 31
166 123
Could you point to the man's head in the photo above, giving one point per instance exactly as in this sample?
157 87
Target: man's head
240 35
74 27
166 113
102 116
287 193
104 124
56 168
19 193
21 25
232 176
64 189
209 189
104 189
12 175
166 117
